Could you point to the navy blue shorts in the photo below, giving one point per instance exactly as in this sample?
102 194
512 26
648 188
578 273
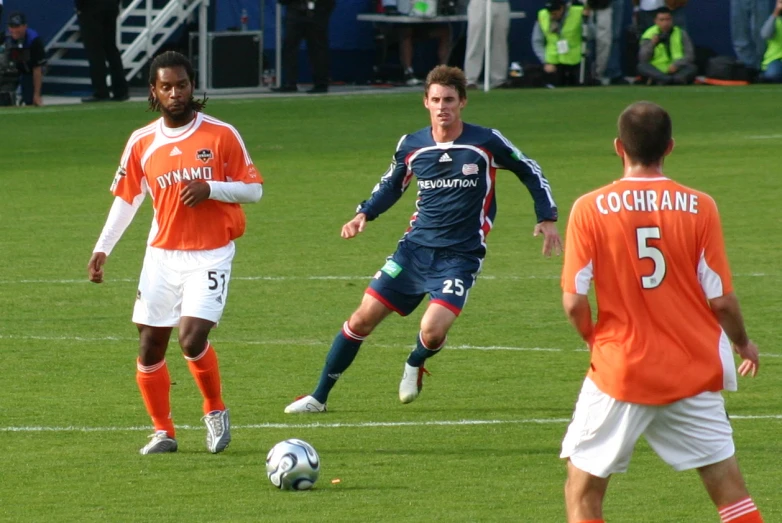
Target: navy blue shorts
414 271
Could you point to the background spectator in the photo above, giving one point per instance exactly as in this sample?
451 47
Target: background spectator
772 33
667 55
556 40
607 18
746 17
98 23
306 20
26 51
476 41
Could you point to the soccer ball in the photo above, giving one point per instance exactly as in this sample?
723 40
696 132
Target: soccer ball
293 464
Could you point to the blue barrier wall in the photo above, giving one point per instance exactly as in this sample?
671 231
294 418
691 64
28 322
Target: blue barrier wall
352 42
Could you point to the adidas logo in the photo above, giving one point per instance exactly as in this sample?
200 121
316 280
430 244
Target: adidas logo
335 376
219 299
175 151
445 158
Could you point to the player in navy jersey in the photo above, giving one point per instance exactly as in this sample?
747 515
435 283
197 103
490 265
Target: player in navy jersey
454 164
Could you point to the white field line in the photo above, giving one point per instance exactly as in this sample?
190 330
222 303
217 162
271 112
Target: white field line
306 343
765 136
356 425
332 278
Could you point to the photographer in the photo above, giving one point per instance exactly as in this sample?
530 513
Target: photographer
666 56
26 52
772 33
556 40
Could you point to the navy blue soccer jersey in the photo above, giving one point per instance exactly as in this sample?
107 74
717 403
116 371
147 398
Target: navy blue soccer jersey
456 206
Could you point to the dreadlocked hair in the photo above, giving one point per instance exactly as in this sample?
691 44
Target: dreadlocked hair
167 60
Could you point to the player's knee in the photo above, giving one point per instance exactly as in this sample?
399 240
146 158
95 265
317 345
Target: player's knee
433 336
362 323
193 341
152 345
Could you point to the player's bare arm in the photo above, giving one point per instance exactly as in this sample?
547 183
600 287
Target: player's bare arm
552 243
354 226
728 312
194 192
95 267
579 313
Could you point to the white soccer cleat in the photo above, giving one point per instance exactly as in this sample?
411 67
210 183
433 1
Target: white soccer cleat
304 405
218 430
160 443
412 382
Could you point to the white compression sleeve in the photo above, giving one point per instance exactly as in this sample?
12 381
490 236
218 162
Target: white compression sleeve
235 192
120 216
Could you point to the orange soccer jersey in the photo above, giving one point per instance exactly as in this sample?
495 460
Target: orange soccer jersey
160 162
656 253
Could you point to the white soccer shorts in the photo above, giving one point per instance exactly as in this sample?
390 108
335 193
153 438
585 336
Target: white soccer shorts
690 433
183 283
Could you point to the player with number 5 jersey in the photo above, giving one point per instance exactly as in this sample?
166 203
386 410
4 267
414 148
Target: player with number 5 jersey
455 165
666 317
198 172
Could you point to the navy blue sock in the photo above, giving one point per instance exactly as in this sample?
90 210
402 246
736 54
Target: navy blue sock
421 353
342 353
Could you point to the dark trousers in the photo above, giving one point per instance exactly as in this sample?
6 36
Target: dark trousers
98 25
564 75
684 75
313 27
28 90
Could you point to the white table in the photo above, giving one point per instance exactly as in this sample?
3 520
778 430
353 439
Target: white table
406 19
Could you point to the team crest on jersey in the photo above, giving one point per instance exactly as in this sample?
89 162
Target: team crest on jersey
205 155
469 168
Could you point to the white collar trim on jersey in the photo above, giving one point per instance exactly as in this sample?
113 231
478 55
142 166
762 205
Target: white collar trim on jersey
176 132
642 179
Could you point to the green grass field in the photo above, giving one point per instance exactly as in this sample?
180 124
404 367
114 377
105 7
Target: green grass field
482 441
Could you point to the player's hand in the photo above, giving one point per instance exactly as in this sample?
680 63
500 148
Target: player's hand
655 40
552 243
194 192
550 68
95 267
749 355
672 69
354 226
38 100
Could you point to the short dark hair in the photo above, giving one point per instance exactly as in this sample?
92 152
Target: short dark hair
448 76
662 11
554 5
645 131
167 60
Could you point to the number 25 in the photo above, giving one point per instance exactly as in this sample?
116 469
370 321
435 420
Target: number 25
455 286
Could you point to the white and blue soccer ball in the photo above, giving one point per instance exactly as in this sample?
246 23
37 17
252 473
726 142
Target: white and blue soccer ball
293 464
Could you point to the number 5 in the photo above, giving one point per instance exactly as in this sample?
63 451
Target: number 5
645 251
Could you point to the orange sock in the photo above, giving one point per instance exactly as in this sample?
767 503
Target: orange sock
206 372
155 386
743 511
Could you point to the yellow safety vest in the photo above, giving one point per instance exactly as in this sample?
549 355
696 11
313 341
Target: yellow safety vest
570 32
661 59
774 46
